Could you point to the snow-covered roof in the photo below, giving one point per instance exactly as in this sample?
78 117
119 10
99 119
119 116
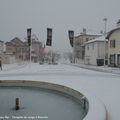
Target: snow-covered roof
88 32
92 33
110 33
98 39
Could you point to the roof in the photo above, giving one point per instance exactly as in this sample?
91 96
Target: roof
110 33
89 33
98 39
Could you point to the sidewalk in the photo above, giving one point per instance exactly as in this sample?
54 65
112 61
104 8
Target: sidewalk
14 66
99 68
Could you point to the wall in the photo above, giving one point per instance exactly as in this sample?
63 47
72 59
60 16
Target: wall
96 51
79 42
114 36
8 59
91 53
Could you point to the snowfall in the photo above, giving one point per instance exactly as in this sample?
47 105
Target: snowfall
102 83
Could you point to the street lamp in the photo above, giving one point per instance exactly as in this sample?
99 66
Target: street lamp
105 20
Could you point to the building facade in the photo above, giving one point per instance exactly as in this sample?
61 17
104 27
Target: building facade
114 47
96 51
79 45
8 58
37 50
20 49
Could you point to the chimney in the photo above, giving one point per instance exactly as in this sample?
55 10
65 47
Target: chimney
84 30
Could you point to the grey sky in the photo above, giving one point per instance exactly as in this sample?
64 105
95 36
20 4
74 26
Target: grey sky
61 15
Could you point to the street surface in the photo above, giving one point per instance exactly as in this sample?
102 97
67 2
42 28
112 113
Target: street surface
104 86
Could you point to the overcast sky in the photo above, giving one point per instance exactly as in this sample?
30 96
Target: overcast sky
61 15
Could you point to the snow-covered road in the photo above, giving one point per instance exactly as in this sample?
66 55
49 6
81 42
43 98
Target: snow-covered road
105 86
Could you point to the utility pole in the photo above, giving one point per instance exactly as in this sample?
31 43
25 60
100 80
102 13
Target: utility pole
105 21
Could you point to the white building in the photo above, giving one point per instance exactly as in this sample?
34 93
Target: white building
95 51
79 45
114 47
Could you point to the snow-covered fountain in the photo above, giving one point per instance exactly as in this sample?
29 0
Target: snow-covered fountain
40 100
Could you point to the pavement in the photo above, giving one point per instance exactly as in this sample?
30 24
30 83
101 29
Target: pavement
113 70
13 66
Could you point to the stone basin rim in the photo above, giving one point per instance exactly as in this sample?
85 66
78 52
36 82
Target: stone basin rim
49 86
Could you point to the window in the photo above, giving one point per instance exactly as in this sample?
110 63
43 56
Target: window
118 59
112 43
112 59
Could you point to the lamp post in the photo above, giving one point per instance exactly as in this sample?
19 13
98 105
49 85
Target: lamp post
105 21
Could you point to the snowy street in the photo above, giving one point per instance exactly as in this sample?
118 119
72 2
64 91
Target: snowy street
104 86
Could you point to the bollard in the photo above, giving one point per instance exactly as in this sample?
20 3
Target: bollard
17 107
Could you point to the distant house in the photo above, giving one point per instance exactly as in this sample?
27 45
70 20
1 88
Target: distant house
114 46
8 58
79 45
20 49
37 50
10 48
5 57
95 51
17 47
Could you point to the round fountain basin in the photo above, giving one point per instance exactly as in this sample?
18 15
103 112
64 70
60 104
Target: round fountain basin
39 103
